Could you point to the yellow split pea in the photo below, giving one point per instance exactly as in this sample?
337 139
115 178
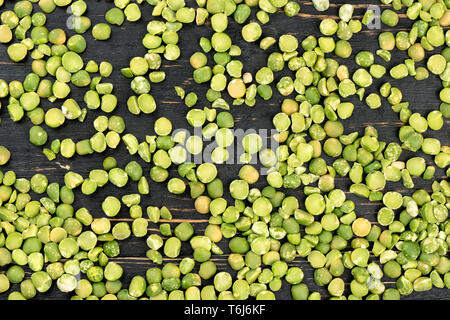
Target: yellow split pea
236 88
289 106
5 34
249 174
361 227
202 204
213 232
57 36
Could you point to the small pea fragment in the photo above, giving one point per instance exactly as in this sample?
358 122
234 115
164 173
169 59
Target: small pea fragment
5 155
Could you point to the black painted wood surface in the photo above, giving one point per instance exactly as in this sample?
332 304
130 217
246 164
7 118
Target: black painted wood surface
125 43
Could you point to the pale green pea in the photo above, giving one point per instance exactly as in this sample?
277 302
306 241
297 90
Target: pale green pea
139 227
118 177
121 231
321 5
251 32
101 31
176 186
416 166
435 120
111 206
5 155
41 281
436 64
328 27
172 247
17 52
222 281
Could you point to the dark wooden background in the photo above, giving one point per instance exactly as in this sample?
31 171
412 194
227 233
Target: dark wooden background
125 43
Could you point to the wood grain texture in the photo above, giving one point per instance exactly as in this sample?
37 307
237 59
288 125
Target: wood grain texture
124 44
